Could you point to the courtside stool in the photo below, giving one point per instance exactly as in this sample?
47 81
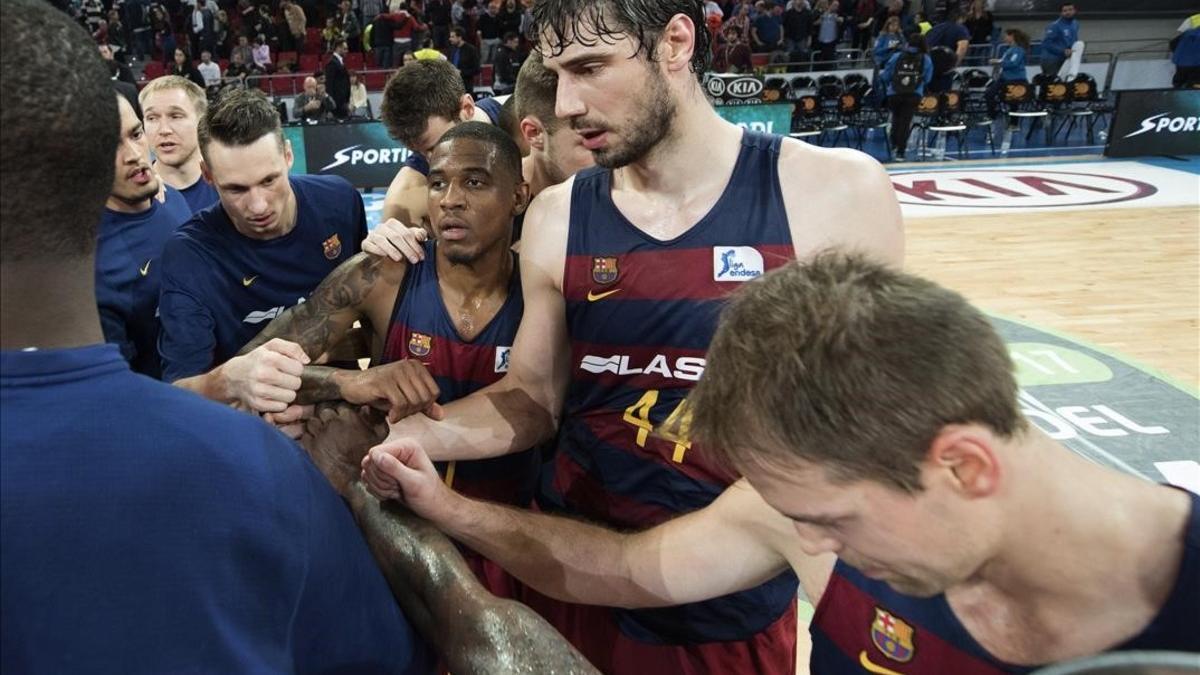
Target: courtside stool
806 120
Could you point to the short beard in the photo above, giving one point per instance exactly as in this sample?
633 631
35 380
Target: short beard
650 126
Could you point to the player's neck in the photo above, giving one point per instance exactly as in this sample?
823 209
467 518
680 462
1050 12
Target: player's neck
536 174
486 277
1072 524
677 166
115 203
49 304
180 177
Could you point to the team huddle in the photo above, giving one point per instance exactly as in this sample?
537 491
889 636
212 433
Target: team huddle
654 375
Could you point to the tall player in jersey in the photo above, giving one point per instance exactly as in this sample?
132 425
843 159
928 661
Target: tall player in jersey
967 542
620 306
173 107
456 312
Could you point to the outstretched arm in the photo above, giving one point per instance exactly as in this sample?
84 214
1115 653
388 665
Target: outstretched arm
472 630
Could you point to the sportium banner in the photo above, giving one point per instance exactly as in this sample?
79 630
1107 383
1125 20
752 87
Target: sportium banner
1155 122
361 153
772 118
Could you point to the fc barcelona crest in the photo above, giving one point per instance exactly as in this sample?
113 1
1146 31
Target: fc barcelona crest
419 345
892 636
604 270
333 247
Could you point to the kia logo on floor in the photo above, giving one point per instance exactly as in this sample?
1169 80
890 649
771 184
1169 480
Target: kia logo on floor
1014 187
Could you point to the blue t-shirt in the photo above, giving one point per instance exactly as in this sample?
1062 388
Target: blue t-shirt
128 248
221 288
151 531
200 195
1060 35
947 34
769 28
417 162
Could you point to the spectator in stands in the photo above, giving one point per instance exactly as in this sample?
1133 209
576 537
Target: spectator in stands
829 30
797 28
737 27
465 57
458 15
201 28
1186 57
262 53
488 26
164 34
116 69
237 71
312 105
1012 67
437 12
331 34
508 64
1060 36
93 15
360 105
509 17
893 8
242 53
337 80
209 70
221 34
263 24
864 24
296 22
951 35
905 75
117 36
767 31
979 23
888 42
351 26
137 16
183 67
711 9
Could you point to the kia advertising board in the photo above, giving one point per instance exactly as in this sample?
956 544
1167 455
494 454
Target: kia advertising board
1155 122
361 153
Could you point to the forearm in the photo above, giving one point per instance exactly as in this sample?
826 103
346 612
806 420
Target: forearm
495 421
210 385
472 630
319 384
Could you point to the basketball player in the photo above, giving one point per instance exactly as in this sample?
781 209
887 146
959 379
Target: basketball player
457 311
233 268
935 529
555 152
132 232
620 306
173 107
421 101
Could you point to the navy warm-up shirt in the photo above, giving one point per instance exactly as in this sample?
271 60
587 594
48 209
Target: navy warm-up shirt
151 531
220 288
127 276
200 195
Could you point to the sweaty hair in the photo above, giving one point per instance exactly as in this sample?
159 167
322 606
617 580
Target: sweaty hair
537 86
560 23
167 82
56 143
418 91
240 117
852 366
508 160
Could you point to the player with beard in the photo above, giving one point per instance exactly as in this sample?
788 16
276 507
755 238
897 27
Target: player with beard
456 312
621 304
132 233
173 107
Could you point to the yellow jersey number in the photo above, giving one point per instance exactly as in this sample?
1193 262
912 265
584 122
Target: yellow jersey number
674 428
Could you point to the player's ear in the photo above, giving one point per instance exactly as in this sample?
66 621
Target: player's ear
678 43
206 171
965 457
466 111
533 132
521 198
287 154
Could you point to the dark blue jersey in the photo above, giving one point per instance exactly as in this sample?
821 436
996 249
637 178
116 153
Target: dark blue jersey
200 195
221 288
417 162
151 531
128 249
640 313
862 622
422 329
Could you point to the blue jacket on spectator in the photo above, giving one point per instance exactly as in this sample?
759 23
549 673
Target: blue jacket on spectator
1012 64
890 69
1060 35
1187 50
885 45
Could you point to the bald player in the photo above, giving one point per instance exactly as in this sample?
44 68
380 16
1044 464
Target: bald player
621 303
934 527
173 106
133 230
554 153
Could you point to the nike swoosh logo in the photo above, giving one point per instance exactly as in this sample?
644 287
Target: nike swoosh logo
593 296
145 269
872 668
246 281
